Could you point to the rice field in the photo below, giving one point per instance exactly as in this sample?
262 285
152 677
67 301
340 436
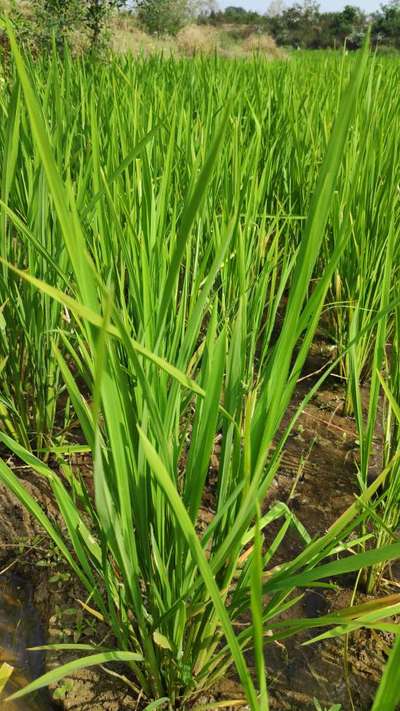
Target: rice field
176 237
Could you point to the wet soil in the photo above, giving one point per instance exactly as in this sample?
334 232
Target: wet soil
317 478
20 628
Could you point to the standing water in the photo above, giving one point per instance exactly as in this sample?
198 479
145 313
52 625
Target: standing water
20 628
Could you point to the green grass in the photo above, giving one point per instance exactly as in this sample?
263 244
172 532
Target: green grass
174 234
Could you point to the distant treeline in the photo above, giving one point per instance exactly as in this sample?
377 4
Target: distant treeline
306 26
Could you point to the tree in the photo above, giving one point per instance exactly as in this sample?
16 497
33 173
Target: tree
56 18
96 15
163 16
349 26
302 24
169 16
386 25
61 18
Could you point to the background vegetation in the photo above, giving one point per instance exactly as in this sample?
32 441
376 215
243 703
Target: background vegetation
304 25
92 23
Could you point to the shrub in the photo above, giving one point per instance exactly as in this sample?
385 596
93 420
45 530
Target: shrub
79 24
261 44
195 39
162 16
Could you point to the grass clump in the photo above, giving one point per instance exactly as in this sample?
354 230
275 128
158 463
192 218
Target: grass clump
181 246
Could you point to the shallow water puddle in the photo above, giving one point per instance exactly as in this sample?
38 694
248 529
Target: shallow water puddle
20 628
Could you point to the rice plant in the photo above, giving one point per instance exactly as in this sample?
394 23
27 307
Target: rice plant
174 247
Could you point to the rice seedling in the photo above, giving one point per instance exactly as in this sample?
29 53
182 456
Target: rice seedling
359 280
181 269
370 418
386 516
31 384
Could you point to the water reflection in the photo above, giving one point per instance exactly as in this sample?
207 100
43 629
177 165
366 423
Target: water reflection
20 628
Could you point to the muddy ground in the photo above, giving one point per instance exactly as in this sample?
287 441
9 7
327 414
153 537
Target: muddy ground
320 458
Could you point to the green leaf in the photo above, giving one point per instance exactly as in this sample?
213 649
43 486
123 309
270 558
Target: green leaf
6 671
52 677
161 640
388 695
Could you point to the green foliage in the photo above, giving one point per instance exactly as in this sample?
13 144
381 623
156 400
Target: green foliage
163 16
169 16
58 19
6 671
335 707
386 26
388 694
303 25
77 23
96 14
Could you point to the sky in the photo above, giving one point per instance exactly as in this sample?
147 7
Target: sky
262 5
